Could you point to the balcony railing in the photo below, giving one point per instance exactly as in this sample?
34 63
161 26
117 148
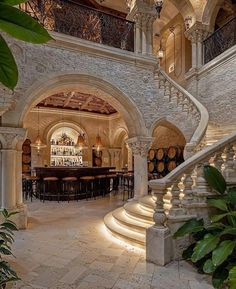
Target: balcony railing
83 22
221 40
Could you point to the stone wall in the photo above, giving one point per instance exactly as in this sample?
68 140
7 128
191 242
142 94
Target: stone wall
132 75
215 88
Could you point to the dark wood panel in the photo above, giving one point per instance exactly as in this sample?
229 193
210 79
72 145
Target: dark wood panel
61 172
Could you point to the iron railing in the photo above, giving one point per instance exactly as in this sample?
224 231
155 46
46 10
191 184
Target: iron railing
74 19
221 40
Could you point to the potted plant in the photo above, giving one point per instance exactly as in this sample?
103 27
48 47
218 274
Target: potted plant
7 274
213 247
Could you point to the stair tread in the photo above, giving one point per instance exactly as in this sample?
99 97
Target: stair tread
147 201
123 232
121 216
134 209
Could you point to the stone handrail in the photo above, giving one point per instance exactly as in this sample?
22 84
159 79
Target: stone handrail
183 193
190 104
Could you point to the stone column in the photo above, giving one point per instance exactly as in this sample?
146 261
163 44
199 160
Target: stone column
143 14
196 34
140 147
8 186
130 158
115 157
11 173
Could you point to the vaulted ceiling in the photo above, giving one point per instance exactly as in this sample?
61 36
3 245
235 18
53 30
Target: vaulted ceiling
78 101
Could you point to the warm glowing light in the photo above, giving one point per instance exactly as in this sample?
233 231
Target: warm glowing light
98 143
38 144
80 142
131 246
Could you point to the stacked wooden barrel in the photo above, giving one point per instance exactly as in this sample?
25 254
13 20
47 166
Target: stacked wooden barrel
161 161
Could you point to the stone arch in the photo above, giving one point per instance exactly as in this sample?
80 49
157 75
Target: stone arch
210 12
119 136
175 135
56 125
56 82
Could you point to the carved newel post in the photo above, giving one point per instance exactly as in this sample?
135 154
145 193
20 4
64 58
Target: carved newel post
159 249
11 172
140 147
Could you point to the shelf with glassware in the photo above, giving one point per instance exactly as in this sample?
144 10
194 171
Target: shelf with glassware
63 153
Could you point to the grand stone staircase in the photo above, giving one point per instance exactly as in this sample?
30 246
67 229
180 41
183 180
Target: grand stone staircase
131 221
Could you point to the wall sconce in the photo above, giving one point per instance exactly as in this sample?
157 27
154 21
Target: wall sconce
188 22
160 53
158 6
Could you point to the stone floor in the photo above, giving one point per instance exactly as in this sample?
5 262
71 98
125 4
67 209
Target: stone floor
67 247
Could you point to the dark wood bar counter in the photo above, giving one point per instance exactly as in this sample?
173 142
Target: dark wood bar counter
62 172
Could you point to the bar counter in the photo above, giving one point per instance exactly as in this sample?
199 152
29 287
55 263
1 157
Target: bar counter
62 172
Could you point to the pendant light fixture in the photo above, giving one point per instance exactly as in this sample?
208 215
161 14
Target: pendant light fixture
38 144
98 143
158 6
80 144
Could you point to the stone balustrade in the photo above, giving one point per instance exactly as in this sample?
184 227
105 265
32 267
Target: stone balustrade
182 195
177 96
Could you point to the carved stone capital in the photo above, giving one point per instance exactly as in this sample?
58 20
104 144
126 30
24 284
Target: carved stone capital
197 33
10 137
140 145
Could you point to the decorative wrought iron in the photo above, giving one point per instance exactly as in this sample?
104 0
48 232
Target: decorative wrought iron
74 19
221 40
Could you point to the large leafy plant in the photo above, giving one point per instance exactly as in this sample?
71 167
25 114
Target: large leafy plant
213 250
21 26
7 274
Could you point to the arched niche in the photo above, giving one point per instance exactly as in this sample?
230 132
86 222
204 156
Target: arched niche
121 135
165 135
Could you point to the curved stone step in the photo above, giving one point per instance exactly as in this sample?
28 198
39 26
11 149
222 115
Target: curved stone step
147 203
122 232
134 210
123 219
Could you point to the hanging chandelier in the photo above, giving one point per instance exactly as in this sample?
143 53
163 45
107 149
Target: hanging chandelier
38 144
158 6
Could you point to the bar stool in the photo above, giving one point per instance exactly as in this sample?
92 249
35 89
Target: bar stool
100 185
112 182
87 184
128 185
50 188
30 187
69 187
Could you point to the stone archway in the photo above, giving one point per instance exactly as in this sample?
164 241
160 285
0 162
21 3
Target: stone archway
210 13
55 83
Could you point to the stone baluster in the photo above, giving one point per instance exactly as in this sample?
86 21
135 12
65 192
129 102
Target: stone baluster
229 171
167 91
180 99
185 106
187 199
174 98
218 161
162 82
201 191
175 200
158 237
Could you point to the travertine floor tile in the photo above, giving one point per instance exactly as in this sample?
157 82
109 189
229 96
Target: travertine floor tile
67 247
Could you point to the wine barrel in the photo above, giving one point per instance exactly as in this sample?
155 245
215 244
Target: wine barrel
25 168
151 154
172 152
26 159
151 167
160 154
160 167
26 149
171 165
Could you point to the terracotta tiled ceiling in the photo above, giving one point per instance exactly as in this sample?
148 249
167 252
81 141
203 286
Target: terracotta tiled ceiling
78 101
